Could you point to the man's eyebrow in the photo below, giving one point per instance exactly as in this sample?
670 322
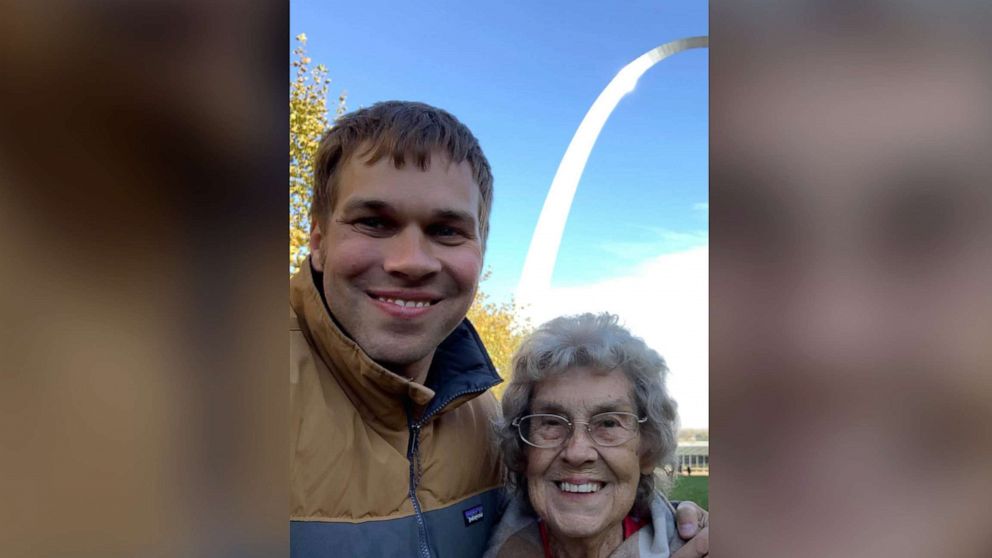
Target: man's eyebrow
454 215
372 204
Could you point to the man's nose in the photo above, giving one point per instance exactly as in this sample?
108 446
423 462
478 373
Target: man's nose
579 448
411 255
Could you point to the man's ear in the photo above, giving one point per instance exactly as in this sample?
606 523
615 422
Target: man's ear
316 241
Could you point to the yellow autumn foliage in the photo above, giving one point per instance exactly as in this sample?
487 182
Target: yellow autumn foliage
308 123
501 328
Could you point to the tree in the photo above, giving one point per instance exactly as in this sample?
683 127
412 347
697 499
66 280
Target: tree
307 125
501 329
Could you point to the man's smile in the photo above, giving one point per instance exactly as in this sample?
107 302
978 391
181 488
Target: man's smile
404 303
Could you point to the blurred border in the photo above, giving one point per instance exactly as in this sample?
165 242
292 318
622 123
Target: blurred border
143 224
850 268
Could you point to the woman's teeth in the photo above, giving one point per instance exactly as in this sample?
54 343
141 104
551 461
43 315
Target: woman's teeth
581 488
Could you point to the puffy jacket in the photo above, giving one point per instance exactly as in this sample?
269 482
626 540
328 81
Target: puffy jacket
366 478
518 535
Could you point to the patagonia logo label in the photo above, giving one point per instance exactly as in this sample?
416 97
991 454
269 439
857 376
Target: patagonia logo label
472 515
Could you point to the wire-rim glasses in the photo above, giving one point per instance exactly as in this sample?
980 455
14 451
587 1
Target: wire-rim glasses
551 431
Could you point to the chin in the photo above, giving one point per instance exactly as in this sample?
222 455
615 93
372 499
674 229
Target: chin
579 525
395 357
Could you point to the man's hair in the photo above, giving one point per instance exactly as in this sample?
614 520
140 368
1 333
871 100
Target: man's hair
597 342
402 131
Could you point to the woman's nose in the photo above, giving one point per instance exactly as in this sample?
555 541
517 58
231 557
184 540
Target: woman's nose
579 447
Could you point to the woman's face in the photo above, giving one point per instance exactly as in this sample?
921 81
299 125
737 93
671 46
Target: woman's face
555 475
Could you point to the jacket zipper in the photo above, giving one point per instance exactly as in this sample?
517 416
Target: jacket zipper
423 542
412 454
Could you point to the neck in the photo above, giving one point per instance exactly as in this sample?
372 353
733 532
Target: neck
599 546
415 371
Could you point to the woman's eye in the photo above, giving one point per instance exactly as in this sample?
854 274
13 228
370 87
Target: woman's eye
611 422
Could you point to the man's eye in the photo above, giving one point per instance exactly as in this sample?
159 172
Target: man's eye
445 231
373 224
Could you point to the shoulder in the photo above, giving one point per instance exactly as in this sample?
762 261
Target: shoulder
661 537
294 320
516 535
487 404
299 348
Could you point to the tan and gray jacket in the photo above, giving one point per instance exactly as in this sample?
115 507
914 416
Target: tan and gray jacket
381 465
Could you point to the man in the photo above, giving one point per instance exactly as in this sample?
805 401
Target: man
390 437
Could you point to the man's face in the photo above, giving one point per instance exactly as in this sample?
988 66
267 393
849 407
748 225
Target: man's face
401 257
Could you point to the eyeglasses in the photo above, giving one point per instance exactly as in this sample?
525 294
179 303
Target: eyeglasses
551 431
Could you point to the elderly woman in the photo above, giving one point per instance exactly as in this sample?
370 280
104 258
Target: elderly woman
586 421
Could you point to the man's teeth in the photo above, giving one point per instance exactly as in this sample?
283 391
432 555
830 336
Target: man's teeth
586 487
405 303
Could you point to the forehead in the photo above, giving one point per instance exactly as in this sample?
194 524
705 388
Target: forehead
442 184
584 390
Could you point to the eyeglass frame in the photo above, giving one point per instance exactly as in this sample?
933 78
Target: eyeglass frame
571 428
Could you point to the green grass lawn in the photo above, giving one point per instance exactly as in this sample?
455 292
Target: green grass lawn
696 489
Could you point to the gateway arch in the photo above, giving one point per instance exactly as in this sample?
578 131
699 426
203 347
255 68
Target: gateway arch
535 280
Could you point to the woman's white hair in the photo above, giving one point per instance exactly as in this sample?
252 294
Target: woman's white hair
597 342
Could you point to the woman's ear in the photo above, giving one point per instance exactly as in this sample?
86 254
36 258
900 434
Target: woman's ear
647 464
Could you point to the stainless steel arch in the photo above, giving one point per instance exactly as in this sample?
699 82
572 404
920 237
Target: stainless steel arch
535 279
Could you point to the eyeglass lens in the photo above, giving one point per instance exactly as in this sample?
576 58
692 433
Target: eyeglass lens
606 429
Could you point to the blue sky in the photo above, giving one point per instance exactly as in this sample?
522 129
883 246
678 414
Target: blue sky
522 75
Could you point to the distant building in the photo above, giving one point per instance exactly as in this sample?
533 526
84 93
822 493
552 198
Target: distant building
695 455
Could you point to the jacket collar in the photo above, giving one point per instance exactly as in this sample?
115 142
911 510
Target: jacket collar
518 532
461 368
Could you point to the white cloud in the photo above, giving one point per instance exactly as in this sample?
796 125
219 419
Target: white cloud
703 206
665 241
664 300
